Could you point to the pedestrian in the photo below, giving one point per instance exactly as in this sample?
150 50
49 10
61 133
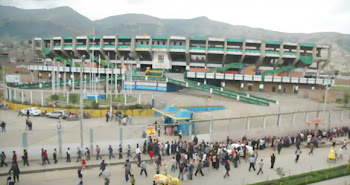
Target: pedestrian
120 151
297 153
27 124
107 116
28 114
181 172
344 144
173 164
143 168
261 164
42 155
158 130
199 168
9 181
87 153
128 152
190 171
102 167
80 174
151 155
54 155
15 171
68 156
3 126
126 171
132 179
46 158
279 147
273 160
59 126
3 158
110 150
79 154
106 181
98 150
227 168
14 157
251 162
25 158
312 147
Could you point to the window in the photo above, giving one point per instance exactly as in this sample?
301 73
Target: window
141 42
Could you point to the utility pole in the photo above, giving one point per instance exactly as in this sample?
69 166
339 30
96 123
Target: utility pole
81 102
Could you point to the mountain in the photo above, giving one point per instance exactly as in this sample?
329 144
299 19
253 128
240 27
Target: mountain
23 24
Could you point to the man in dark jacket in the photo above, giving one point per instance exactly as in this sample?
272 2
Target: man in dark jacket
227 167
2 158
25 158
102 167
15 171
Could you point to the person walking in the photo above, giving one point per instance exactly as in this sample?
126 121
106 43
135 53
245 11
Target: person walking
181 172
14 157
279 147
143 166
87 153
173 164
59 126
251 162
312 147
297 153
110 150
261 164
3 158
120 150
106 181
102 167
107 116
132 179
28 114
273 160
199 168
151 156
68 156
126 171
3 126
98 150
79 155
15 171
80 174
128 152
46 158
25 158
54 155
227 168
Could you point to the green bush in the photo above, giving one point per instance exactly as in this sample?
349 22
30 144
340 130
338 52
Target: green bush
95 105
54 97
73 98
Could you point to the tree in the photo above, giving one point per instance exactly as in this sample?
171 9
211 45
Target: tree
73 98
94 105
346 99
54 97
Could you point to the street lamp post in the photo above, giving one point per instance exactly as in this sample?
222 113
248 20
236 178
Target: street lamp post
329 82
81 102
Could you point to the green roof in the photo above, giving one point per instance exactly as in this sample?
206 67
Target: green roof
307 45
273 42
160 37
124 37
198 38
47 38
96 37
234 40
67 38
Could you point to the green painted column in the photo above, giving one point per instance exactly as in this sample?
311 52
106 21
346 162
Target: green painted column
24 140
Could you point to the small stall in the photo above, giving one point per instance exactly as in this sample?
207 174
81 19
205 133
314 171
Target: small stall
175 120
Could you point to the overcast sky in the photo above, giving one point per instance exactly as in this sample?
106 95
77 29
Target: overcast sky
304 16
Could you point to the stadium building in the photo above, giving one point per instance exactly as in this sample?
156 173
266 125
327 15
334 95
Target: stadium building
242 64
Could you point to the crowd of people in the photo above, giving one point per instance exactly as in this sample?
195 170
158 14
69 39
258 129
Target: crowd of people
191 157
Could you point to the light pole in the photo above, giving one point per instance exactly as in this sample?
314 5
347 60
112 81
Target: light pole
81 102
329 82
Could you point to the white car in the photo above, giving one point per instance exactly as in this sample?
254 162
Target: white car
235 145
33 111
57 114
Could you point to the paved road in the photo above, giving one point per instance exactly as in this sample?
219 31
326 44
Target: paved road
239 175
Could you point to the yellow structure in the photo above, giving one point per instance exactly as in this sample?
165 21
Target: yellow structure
166 180
154 73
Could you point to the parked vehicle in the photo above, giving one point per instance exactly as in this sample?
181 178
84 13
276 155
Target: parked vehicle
73 117
33 111
239 146
57 114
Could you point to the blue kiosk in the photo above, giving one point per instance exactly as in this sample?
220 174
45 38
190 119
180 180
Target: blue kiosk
176 120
